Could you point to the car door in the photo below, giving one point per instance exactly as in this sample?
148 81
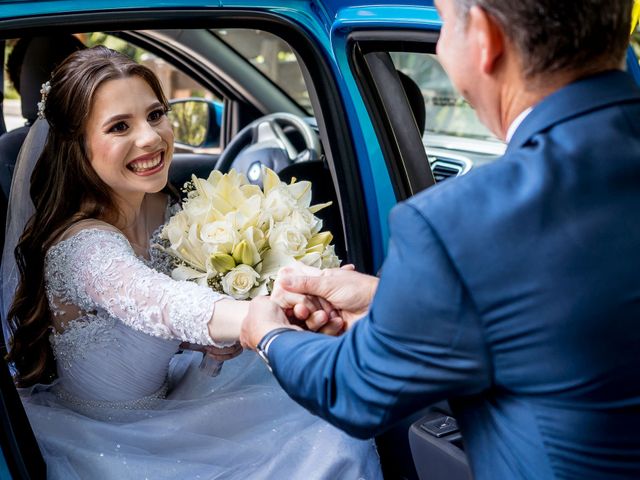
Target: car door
160 31
388 55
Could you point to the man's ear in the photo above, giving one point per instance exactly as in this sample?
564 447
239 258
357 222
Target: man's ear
489 37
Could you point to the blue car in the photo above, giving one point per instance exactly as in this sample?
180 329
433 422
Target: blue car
344 93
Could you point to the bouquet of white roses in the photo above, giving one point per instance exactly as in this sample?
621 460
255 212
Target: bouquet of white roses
234 236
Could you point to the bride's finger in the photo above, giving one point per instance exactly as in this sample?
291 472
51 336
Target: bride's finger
306 307
327 307
317 320
335 326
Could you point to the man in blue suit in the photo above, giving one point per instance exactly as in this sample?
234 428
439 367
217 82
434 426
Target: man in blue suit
513 291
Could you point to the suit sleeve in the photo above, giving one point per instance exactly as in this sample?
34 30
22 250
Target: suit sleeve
421 341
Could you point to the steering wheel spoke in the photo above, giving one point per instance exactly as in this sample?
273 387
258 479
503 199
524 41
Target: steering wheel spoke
269 132
264 143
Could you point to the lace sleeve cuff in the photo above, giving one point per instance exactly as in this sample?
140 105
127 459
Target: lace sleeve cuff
97 269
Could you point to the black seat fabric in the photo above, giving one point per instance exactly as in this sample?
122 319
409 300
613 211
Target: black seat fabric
322 191
41 56
10 144
416 100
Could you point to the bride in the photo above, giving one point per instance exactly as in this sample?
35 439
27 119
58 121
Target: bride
97 323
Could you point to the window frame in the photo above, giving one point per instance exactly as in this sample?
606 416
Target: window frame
388 107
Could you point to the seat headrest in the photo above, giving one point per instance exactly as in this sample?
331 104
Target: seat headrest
41 57
416 100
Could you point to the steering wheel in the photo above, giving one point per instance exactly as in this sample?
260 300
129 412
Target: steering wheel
263 142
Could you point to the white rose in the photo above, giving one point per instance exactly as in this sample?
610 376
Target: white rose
287 239
329 258
303 220
198 210
221 235
278 204
240 281
176 229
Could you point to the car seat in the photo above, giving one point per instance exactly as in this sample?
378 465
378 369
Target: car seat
416 100
322 190
41 56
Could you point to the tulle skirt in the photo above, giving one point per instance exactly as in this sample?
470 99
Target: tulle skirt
238 425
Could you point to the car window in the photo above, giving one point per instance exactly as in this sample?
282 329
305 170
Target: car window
273 57
447 112
12 113
403 83
177 87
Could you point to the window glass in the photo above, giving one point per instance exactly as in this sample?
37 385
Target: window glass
176 85
447 112
273 57
11 106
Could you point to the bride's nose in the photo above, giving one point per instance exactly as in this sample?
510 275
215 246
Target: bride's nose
148 136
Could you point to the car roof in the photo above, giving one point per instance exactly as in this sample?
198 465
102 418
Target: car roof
20 8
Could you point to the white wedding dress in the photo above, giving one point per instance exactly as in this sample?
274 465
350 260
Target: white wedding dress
125 405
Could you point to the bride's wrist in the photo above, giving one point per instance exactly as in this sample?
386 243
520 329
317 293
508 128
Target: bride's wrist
226 322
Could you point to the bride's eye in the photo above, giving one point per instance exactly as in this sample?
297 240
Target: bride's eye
156 115
118 127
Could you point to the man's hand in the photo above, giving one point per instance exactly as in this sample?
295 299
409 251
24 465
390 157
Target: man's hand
262 317
317 314
347 291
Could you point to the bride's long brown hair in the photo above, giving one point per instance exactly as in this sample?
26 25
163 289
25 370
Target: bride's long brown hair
65 189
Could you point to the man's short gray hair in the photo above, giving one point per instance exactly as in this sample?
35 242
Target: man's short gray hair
561 35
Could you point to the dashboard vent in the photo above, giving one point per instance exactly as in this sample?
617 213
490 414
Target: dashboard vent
445 169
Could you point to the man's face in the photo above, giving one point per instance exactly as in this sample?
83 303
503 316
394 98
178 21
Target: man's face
452 49
460 51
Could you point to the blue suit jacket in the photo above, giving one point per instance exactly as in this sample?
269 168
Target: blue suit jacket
514 291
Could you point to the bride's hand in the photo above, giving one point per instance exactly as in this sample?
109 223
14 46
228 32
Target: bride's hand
221 354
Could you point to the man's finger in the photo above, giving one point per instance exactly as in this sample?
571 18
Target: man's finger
303 284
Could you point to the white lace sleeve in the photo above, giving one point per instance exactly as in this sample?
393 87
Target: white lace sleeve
97 269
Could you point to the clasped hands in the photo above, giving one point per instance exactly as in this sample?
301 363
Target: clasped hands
326 301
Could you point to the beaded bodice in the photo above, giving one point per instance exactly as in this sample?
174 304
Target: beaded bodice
118 319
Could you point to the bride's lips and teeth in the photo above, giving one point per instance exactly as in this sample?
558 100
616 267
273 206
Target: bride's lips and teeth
147 164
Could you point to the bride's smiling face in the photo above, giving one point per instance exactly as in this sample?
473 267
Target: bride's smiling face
128 137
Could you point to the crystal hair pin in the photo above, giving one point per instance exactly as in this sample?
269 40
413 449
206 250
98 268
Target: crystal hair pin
44 91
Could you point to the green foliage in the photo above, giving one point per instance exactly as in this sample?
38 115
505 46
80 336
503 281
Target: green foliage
189 120
114 43
9 91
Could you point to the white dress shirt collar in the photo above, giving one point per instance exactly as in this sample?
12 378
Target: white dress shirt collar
516 123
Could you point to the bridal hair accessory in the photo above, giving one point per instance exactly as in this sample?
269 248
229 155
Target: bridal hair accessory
44 91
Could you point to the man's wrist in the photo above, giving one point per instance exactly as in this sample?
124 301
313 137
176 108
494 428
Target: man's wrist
262 348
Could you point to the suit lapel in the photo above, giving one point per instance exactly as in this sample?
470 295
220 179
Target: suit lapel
580 97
